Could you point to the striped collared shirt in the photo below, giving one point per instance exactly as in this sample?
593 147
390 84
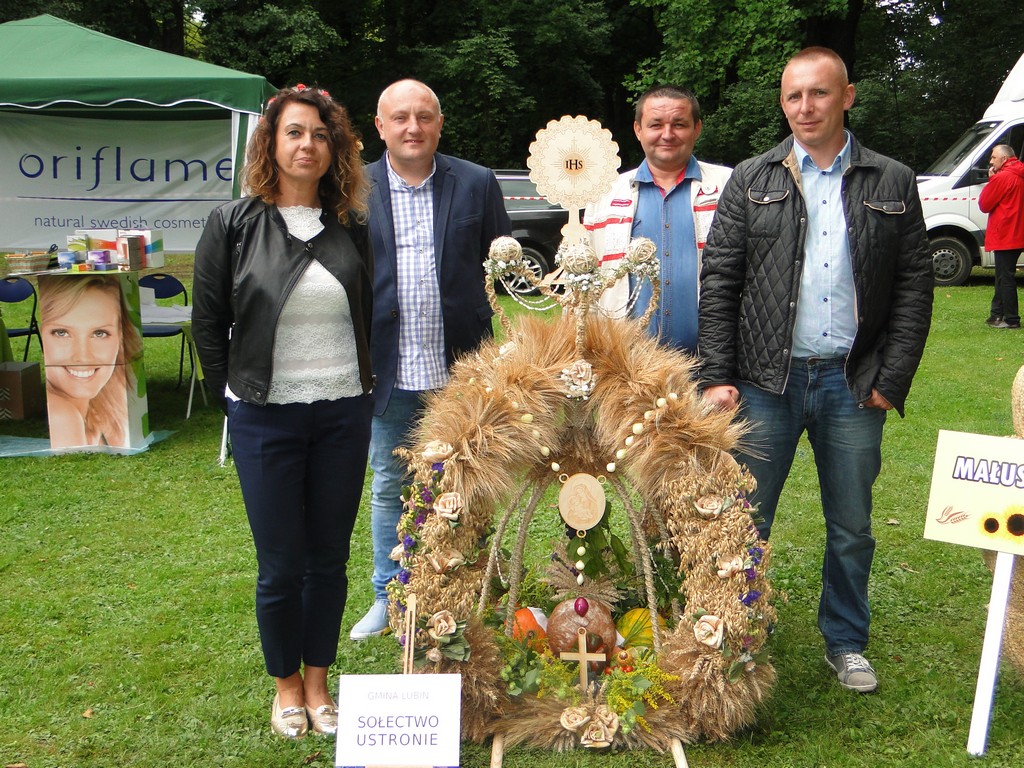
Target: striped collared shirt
421 361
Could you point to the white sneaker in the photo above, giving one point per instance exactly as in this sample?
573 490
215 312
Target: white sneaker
374 623
854 672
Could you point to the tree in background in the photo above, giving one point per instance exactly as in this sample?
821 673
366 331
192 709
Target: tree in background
730 53
501 70
281 41
925 69
928 70
156 24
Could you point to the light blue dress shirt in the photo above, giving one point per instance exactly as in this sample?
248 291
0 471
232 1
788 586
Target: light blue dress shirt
826 313
666 217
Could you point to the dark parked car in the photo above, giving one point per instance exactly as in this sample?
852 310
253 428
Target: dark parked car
536 223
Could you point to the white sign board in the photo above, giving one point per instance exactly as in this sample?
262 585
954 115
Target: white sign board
977 499
977 494
399 720
61 174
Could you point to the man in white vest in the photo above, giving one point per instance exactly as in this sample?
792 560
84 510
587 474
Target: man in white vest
670 199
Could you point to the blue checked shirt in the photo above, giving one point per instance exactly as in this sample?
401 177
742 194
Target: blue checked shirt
421 362
666 217
826 314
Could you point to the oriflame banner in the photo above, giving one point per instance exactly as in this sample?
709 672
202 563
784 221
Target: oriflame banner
61 174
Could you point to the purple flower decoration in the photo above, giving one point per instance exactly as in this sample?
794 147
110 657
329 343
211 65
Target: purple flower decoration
437 466
755 554
419 519
427 495
748 640
751 574
403 576
408 542
749 598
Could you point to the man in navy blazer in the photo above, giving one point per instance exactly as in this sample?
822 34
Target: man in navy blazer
432 220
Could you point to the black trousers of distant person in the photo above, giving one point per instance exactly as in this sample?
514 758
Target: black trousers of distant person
1004 302
301 468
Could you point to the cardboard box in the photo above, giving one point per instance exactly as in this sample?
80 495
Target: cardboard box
131 251
98 239
21 391
78 242
154 245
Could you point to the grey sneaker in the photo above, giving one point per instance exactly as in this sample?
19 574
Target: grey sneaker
855 673
374 623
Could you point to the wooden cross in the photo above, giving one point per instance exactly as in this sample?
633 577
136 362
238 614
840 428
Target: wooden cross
582 656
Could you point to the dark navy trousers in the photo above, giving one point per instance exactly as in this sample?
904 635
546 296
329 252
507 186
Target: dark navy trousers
301 468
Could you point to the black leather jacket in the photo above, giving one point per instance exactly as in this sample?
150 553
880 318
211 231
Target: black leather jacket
245 268
753 261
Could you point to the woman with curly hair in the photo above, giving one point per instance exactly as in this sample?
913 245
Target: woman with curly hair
281 319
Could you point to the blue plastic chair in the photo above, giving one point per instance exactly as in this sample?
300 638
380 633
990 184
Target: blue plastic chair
167 287
14 290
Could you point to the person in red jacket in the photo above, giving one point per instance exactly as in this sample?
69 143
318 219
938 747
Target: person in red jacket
1003 200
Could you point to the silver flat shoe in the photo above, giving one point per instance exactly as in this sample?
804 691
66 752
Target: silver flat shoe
290 722
324 719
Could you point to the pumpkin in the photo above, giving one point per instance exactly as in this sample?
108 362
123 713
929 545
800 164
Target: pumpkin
528 626
635 628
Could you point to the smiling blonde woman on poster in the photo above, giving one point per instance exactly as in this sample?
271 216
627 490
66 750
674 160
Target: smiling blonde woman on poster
89 343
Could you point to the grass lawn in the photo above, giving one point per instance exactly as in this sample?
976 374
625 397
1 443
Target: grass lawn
128 637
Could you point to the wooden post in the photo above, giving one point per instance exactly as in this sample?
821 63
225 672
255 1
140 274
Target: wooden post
678 754
409 627
497 750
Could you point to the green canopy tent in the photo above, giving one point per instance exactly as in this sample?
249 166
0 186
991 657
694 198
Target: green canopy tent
61 72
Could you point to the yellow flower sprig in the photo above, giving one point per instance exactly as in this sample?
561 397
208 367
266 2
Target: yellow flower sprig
630 694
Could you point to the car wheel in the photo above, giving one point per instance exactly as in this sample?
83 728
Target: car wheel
951 260
537 263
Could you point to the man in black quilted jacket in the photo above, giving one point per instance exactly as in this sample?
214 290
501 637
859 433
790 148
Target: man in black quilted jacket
815 305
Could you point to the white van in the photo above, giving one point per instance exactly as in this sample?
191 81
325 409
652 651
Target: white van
949 189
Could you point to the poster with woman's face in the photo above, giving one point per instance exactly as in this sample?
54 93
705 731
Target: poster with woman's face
92 350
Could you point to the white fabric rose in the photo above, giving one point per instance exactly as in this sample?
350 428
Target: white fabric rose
443 562
595 736
606 715
709 630
729 568
441 624
709 505
436 451
574 718
448 505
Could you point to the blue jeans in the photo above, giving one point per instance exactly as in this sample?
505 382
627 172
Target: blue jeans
847 444
301 467
389 431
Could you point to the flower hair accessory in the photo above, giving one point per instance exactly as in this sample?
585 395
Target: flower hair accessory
299 88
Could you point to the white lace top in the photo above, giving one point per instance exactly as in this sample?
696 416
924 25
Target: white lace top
314 345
